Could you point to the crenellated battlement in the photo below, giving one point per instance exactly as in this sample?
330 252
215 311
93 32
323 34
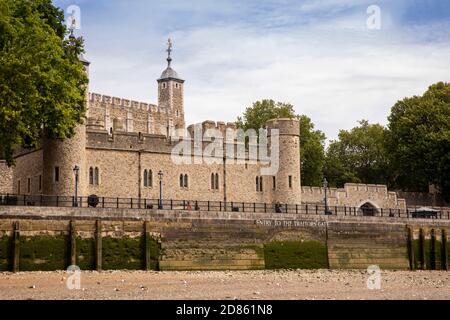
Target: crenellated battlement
121 102
212 125
353 193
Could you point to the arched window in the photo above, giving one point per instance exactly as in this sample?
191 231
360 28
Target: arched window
217 181
96 176
150 178
186 181
181 181
260 184
212 181
257 183
145 178
274 183
91 176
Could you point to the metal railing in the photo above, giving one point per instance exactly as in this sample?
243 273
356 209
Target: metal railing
216 206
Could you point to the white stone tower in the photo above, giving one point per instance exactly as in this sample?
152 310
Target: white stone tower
171 94
288 183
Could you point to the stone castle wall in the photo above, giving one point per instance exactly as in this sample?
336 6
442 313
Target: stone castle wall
124 115
355 195
6 178
29 166
120 156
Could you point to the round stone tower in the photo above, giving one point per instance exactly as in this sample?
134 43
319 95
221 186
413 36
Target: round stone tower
61 157
288 183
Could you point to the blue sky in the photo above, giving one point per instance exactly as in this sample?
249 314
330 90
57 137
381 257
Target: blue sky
316 54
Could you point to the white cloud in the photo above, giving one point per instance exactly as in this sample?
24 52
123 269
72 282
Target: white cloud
335 71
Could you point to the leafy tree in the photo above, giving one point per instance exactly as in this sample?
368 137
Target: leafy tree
256 116
419 140
42 81
311 141
312 152
359 155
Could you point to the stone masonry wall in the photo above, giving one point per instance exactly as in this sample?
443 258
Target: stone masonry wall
53 238
28 166
6 178
355 195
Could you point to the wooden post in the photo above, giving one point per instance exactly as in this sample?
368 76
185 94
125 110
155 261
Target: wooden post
147 239
422 249
73 244
16 249
98 245
412 265
433 250
444 258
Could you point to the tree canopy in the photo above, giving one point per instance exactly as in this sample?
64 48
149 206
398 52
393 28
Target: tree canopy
42 81
311 141
419 140
359 155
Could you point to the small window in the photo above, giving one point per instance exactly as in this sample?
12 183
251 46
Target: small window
212 181
40 182
290 182
186 181
145 178
260 184
29 185
181 181
274 183
56 174
150 178
91 176
217 181
257 184
96 176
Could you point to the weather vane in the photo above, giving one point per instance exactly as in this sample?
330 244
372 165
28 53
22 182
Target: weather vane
169 50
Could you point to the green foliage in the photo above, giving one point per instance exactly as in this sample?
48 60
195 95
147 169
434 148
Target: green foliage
85 253
6 247
312 152
42 81
419 140
359 156
44 253
296 255
123 253
311 141
256 116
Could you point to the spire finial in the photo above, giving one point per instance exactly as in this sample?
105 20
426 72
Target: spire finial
169 51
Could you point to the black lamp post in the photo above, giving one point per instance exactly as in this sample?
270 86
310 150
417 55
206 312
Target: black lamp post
325 187
160 175
76 171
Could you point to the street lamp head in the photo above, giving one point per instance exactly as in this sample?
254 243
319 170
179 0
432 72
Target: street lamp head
76 169
160 175
325 183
